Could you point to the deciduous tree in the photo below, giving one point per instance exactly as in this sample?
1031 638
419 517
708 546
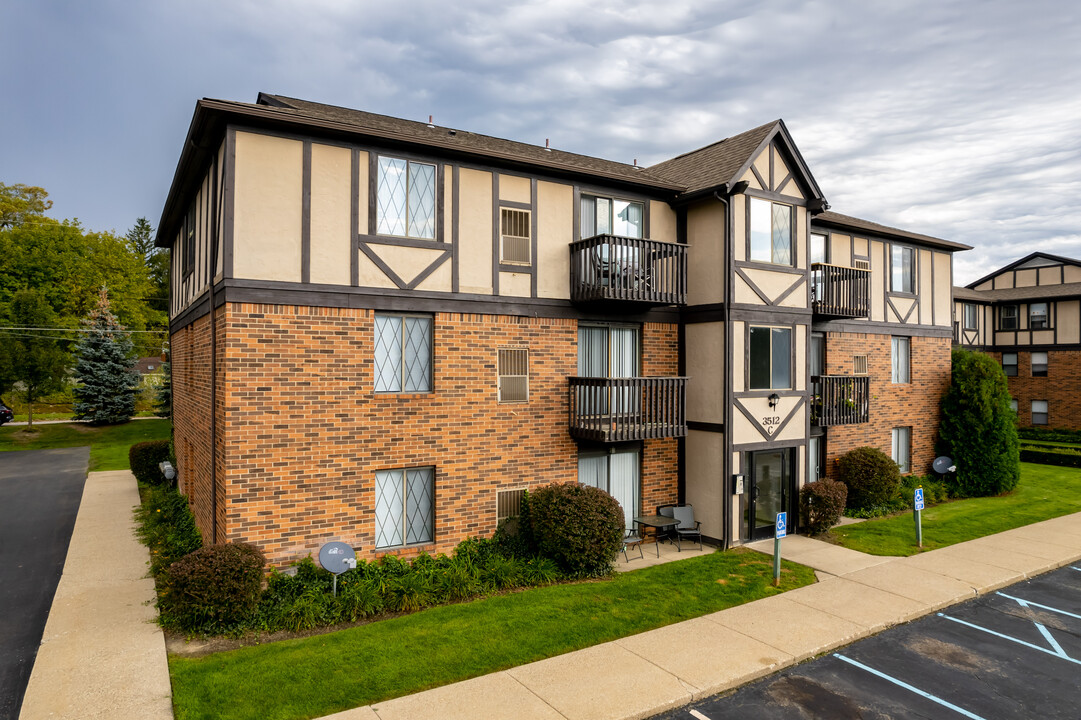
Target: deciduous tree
36 361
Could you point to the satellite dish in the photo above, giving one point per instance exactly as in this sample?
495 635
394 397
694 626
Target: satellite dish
337 557
943 465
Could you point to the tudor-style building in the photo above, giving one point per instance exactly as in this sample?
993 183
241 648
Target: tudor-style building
1028 316
383 331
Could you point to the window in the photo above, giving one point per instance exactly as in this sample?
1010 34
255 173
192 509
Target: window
1039 364
1013 405
514 230
605 216
818 354
405 198
818 248
971 316
770 358
899 355
1009 364
859 364
606 351
771 232
1037 316
508 504
814 459
903 269
514 375
403 353
617 474
902 439
188 234
404 507
1039 412
1007 317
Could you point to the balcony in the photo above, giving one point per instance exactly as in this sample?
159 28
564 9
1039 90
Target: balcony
622 269
840 399
840 291
622 409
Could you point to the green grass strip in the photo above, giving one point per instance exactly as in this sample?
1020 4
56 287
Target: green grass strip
1044 492
316 676
108 444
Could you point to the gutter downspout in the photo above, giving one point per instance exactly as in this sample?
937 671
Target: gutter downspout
726 445
214 355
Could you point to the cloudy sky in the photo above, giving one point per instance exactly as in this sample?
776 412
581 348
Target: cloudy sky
959 119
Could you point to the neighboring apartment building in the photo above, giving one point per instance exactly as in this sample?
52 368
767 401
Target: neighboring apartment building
1028 316
411 324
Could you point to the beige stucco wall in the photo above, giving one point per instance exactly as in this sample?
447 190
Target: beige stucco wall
903 305
705 482
739 226
773 284
370 275
737 357
555 232
662 221
408 262
878 280
840 250
440 279
1072 273
475 232
751 180
1049 276
943 289
515 284
1026 278
706 240
801 248
705 367
267 207
860 246
1068 321
330 214
767 419
362 192
925 288
514 188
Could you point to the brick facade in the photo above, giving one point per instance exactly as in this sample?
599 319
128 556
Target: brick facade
916 404
302 433
1061 388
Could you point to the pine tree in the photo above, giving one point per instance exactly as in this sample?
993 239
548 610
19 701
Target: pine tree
108 382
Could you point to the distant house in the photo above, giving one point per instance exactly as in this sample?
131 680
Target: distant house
151 370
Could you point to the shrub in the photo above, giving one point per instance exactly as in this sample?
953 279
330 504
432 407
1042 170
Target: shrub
821 505
167 527
214 589
577 526
144 458
978 428
871 476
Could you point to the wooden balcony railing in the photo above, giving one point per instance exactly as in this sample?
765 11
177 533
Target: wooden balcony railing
622 409
840 399
840 291
609 267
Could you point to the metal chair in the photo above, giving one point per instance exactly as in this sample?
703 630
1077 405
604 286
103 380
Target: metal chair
631 540
688 527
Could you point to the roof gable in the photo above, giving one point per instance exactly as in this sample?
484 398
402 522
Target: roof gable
1030 261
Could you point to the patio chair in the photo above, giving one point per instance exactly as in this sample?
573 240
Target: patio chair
632 540
688 527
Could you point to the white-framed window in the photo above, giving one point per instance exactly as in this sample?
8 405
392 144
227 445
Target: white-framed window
1037 316
404 507
971 316
814 458
859 365
902 269
1009 364
403 353
515 247
818 248
771 232
405 198
1039 364
188 233
1039 412
1007 317
609 216
513 375
769 358
902 448
900 363
617 473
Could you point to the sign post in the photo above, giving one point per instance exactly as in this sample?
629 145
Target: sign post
781 531
917 505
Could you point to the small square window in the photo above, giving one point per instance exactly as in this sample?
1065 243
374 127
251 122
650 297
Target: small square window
1039 364
1037 316
508 504
1039 412
859 364
514 230
1009 364
1007 317
513 375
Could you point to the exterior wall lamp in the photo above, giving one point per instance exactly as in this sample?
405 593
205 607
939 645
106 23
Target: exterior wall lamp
774 398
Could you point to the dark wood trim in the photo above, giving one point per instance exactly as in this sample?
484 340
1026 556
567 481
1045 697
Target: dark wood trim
402 242
753 447
373 190
576 213
354 218
780 298
776 197
515 205
428 270
758 265
645 219
495 233
771 316
712 312
515 268
710 427
875 327
306 214
454 215
784 183
754 287
440 200
758 176
753 420
934 290
772 170
534 241
229 197
374 257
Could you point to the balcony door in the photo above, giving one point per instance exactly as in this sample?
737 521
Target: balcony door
617 473
608 351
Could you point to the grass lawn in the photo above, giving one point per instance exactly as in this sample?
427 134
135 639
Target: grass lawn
1045 491
316 676
108 445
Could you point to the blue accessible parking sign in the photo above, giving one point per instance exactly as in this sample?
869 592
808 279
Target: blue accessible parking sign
919 499
782 524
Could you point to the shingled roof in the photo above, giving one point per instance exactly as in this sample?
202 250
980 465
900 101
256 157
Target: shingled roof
838 220
715 164
1035 292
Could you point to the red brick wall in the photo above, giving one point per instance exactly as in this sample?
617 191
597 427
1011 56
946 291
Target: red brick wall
916 404
304 433
1061 388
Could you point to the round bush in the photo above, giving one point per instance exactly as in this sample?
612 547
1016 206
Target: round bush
214 588
144 458
577 526
821 505
872 477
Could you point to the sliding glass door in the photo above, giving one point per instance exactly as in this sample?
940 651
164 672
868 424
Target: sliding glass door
606 351
617 473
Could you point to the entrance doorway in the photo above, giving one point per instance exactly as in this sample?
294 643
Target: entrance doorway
771 491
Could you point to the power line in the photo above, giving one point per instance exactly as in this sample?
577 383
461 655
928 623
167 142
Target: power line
63 329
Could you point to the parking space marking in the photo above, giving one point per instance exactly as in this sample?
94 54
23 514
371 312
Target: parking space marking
697 714
911 688
1052 653
1027 603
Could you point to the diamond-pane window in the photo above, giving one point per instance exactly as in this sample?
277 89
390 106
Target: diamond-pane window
405 198
782 234
770 232
403 353
404 507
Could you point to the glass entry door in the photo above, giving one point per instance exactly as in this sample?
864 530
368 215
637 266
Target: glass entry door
770 491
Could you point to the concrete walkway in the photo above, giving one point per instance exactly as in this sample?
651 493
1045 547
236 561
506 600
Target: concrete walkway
101 655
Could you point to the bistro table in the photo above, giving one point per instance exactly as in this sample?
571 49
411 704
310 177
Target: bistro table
659 523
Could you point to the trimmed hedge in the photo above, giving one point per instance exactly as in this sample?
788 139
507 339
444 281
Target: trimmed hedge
577 526
1046 457
821 504
1066 436
144 458
215 588
872 477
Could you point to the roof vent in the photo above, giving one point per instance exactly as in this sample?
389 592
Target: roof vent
636 164
430 122
547 145
452 132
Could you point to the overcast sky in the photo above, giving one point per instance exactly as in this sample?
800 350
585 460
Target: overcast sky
960 120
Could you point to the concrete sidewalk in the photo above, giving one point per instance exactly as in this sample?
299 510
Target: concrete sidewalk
101 655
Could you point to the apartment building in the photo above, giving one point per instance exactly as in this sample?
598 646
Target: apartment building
1027 315
383 331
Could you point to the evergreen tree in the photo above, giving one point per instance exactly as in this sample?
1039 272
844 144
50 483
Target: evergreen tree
978 431
108 382
163 401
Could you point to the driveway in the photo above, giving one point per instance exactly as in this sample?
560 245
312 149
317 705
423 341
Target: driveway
40 492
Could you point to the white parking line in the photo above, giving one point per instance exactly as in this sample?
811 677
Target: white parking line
698 715
1060 655
1027 603
906 686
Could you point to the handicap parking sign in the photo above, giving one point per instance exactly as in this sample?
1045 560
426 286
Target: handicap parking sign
919 498
782 524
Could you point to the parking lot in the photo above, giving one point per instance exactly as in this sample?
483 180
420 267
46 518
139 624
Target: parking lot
1015 653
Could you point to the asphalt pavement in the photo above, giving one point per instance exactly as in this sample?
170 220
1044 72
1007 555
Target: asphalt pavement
40 492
